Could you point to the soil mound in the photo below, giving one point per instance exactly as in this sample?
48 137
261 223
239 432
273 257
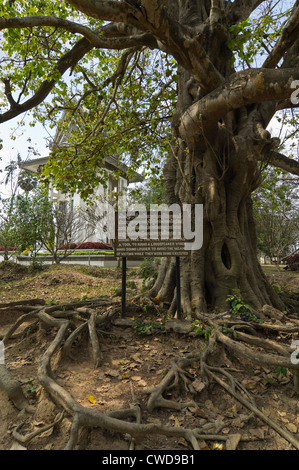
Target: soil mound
10 271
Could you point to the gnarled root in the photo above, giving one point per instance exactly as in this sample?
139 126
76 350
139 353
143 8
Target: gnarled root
169 382
27 438
241 338
12 388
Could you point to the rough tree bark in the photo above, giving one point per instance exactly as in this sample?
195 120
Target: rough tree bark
218 165
219 169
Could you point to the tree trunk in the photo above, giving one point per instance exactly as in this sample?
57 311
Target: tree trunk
6 257
219 170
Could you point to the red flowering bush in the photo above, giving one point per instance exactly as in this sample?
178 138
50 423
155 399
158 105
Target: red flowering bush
9 248
294 259
292 262
86 246
68 246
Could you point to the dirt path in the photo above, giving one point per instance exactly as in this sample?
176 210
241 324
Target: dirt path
133 363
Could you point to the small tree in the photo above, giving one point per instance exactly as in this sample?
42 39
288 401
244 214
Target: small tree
276 235
7 229
33 219
13 181
42 224
67 225
276 211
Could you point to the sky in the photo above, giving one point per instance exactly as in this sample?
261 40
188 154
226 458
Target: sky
20 144
24 138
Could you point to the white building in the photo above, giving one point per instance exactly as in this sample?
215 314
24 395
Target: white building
89 230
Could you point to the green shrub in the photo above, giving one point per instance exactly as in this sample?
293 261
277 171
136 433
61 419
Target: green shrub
148 271
36 266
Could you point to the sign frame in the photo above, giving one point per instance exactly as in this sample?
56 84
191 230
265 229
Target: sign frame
147 248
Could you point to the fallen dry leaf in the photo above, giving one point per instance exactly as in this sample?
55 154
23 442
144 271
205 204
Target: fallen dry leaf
112 373
232 412
198 385
250 384
233 441
183 442
225 430
258 432
136 358
177 421
117 362
291 427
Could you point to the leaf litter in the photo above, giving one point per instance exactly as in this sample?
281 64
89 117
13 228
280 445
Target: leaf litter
139 363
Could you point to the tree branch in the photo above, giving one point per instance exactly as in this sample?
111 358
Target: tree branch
241 89
172 37
240 10
91 39
119 29
107 10
8 93
96 39
281 161
67 61
288 36
217 11
286 104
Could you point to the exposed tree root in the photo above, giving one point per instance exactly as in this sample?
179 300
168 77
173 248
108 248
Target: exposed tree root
28 437
12 388
170 381
71 321
249 403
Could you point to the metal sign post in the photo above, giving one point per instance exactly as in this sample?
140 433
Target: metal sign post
140 248
124 287
178 287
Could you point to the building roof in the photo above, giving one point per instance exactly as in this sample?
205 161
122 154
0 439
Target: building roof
60 140
111 164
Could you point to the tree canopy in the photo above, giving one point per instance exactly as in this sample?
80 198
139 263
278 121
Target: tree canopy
114 66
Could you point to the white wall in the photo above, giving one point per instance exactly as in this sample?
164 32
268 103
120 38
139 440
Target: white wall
104 194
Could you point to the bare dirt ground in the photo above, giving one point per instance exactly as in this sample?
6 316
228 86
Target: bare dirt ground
136 356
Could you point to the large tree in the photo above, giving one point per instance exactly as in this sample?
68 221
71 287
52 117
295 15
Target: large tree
234 64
